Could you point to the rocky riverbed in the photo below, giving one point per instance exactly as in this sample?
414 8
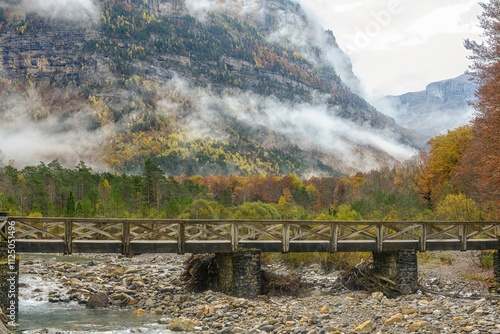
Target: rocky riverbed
453 298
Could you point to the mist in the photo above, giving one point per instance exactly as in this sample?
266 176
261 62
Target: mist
83 11
32 132
307 125
290 29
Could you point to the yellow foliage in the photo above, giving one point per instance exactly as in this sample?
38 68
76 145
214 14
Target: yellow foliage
21 29
94 100
457 208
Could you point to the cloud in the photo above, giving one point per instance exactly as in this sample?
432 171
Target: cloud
310 126
28 135
85 11
420 43
290 29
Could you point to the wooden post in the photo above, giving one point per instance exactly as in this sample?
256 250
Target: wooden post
181 239
334 238
463 237
68 237
234 236
423 237
126 248
286 237
380 237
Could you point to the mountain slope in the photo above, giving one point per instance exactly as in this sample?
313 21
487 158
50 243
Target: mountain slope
443 106
225 87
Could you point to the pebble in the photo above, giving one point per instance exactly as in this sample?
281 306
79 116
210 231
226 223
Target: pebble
153 287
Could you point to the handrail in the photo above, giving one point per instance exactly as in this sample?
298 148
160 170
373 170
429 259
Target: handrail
127 235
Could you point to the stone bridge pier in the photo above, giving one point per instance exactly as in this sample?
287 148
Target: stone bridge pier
398 266
239 273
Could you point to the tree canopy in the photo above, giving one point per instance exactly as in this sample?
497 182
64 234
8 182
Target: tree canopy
480 167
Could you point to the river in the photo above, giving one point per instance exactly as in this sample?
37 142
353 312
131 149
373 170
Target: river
38 315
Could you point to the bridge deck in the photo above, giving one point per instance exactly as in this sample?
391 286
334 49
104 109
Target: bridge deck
134 236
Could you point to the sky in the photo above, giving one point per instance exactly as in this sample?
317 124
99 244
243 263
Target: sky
399 46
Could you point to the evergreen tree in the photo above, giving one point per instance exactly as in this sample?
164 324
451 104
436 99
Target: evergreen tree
70 208
152 177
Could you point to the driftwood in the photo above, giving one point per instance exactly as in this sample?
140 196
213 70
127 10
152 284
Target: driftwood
199 272
282 285
362 277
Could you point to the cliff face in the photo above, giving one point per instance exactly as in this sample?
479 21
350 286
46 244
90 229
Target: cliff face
220 87
54 55
443 106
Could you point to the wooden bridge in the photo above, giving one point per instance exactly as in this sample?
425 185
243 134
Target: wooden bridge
134 236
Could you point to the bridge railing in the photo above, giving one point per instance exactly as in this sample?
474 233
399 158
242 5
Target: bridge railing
129 236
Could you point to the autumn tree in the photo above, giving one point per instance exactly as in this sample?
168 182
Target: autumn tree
457 208
444 156
481 163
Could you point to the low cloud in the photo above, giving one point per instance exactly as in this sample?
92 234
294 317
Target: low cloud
29 136
83 11
310 126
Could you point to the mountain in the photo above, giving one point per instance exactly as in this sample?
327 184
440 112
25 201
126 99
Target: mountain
442 106
212 87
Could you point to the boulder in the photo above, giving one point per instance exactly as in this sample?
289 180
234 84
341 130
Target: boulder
98 300
182 324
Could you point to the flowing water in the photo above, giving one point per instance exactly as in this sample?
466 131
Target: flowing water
38 315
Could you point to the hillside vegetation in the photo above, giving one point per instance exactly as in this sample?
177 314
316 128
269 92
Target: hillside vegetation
218 91
180 113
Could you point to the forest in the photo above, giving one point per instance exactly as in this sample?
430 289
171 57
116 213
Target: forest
457 178
426 187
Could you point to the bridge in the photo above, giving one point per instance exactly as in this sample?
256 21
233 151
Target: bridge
135 236
237 244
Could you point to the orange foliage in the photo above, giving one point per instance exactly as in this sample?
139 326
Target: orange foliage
481 163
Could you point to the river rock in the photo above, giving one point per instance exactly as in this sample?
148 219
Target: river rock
3 317
182 324
3 329
416 326
98 300
366 326
395 318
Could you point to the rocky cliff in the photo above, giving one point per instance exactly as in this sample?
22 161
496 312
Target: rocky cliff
219 87
442 106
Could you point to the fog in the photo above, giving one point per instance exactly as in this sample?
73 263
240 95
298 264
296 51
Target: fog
31 133
307 125
86 11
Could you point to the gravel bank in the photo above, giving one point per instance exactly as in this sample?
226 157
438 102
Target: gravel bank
446 303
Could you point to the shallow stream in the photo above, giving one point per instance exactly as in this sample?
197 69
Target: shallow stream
38 315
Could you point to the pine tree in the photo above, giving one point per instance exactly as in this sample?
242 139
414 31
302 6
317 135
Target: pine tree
152 175
70 208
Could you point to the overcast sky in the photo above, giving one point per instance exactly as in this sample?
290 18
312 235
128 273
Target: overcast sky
398 46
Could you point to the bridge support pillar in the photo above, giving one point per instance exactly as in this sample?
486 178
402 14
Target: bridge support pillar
496 266
9 283
400 267
239 273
